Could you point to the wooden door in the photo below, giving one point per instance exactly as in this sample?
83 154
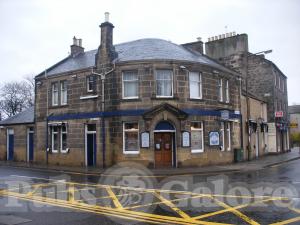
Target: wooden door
163 147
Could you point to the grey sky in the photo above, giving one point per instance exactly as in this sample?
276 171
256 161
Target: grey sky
36 34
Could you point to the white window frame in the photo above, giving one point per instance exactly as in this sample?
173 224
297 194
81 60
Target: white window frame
202 137
61 138
220 89
172 82
222 131
63 91
138 141
199 84
54 94
227 94
88 83
123 86
228 133
52 138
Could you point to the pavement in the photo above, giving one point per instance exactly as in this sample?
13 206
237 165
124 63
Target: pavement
255 164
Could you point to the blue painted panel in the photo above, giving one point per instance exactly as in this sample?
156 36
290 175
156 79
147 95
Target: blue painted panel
164 125
30 145
137 112
10 147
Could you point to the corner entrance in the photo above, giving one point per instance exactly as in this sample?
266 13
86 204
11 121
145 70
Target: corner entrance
164 145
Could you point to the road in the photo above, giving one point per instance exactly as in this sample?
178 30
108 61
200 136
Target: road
130 194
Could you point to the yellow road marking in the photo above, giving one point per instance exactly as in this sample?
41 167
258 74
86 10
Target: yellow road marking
162 202
35 188
232 208
172 206
71 193
113 211
153 190
294 209
287 221
236 212
114 198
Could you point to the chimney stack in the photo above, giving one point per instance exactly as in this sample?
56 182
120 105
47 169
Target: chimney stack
195 46
76 47
106 51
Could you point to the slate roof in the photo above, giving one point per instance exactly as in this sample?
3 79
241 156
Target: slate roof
26 116
139 50
293 109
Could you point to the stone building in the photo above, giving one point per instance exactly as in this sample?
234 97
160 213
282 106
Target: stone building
257 132
17 137
294 118
149 101
265 81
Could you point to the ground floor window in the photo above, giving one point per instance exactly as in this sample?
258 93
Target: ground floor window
130 138
197 137
54 139
59 138
225 136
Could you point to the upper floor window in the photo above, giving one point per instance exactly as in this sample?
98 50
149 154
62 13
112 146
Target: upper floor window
130 138
91 83
164 83
220 90
55 93
130 84
195 79
227 91
197 137
63 93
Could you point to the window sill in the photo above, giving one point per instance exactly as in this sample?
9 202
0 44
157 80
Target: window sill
88 97
164 98
196 99
130 100
131 154
58 106
197 151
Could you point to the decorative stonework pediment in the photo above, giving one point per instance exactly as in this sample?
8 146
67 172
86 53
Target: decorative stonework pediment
181 115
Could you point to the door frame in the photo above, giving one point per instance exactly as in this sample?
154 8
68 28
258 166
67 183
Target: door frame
257 144
7 141
86 132
174 150
29 132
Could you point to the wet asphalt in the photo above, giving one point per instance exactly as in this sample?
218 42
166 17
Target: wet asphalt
232 189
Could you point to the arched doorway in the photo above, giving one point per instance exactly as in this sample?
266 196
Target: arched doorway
164 145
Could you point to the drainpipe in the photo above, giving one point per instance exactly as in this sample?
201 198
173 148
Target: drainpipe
47 113
103 77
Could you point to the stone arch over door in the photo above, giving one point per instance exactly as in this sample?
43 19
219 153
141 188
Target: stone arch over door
165 113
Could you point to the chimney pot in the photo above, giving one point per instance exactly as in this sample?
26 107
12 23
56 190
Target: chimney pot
106 15
223 35
199 39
